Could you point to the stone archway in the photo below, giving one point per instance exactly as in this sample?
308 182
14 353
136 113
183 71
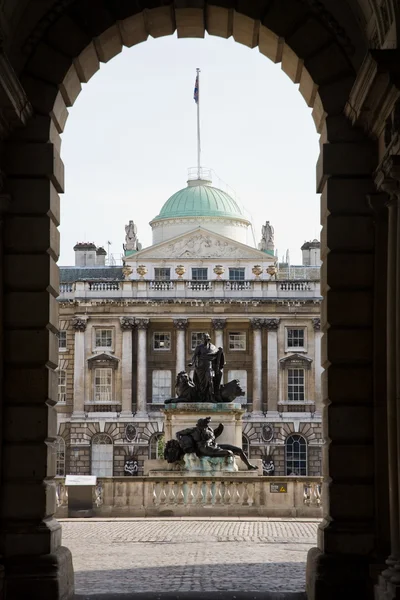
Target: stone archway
62 51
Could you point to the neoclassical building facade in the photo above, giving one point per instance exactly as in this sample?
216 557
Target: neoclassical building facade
127 331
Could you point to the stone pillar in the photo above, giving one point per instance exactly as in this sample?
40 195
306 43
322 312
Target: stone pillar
272 326
127 326
181 327
79 324
317 362
257 326
218 326
141 395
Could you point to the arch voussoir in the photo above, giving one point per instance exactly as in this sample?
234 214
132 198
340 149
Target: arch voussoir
219 21
245 30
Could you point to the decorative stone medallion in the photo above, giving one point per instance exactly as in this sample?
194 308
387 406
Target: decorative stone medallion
267 432
130 432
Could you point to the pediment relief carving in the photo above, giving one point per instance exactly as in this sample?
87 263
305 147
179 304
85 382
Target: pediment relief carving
295 361
103 360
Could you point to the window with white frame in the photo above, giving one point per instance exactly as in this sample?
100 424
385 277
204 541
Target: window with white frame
103 385
236 274
237 340
196 338
156 446
161 385
59 448
161 340
62 340
199 274
103 338
296 385
62 385
102 455
162 274
296 455
241 375
295 338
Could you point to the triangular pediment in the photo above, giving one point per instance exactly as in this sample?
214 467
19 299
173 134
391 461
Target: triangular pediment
295 361
200 243
103 359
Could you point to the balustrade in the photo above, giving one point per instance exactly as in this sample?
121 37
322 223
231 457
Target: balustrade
199 286
161 286
104 286
65 288
238 286
295 286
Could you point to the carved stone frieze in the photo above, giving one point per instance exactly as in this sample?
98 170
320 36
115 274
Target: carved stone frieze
218 323
127 323
272 324
142 323
316 324
257 323
181 324
80 323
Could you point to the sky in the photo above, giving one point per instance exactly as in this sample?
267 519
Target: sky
132 135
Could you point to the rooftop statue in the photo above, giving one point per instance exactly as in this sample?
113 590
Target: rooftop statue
267 237
131 238
201 440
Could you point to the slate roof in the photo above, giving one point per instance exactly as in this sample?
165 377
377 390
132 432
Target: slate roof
72 274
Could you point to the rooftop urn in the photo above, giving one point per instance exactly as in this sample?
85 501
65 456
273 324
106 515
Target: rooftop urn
219 270
141 270
127 271
257 270
180 270
272 270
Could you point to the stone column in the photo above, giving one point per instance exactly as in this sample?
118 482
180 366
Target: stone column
127 326
272 326
181 327
79 324
257 326
317 362
141 395
218 326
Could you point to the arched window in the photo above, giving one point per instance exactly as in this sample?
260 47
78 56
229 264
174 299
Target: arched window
102 455
156 446
296 455
59 447
246 445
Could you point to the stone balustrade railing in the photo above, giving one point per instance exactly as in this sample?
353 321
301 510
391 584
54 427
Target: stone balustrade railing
179 288
177 495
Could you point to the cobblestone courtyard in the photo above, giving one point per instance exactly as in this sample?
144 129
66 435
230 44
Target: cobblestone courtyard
189 555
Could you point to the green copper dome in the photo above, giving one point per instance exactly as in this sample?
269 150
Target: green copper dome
200 199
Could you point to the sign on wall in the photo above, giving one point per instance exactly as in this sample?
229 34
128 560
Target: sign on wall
278 488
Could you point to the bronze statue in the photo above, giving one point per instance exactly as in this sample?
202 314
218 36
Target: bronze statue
201 440
208 362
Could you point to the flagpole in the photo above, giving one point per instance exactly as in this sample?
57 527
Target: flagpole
198 123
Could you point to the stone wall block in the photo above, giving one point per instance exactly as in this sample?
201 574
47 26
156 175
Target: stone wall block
48 64
33 347
133 30
28 461
335 94
35 160
348 271
349 382
108 44
70 87
25 424
15 501
284 17
27 385
332 55
336 129
190 22
37 272
66 36
25 235
219 21
349 424
43 310
349 308
160 21
344 346
41 94
346 461
350 233
349 159
245 30
40 129
346 196
351 500
308 37
87 63
34 197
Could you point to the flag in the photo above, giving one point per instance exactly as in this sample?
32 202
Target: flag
196 90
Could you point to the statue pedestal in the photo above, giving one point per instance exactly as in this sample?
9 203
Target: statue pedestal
183 415
209 465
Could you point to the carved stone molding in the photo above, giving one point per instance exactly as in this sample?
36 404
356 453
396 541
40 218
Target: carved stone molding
272 324
80 323
218 323
15 108
103 360
257 323
295 361
142 323
316 324
127 323
181 324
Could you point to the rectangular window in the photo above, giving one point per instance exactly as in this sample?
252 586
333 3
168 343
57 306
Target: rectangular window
295 338
241 375
296 385
161 385
103 385
161 340
237 340
62 340
103 338
236 274
62 386
199 274
162 274
196 338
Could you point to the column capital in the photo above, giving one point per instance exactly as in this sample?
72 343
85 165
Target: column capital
218 323
316 324
127 323
142 323
80 323
257 323
272 324
181 324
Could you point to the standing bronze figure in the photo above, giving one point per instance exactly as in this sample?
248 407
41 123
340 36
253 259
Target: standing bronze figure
208 362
